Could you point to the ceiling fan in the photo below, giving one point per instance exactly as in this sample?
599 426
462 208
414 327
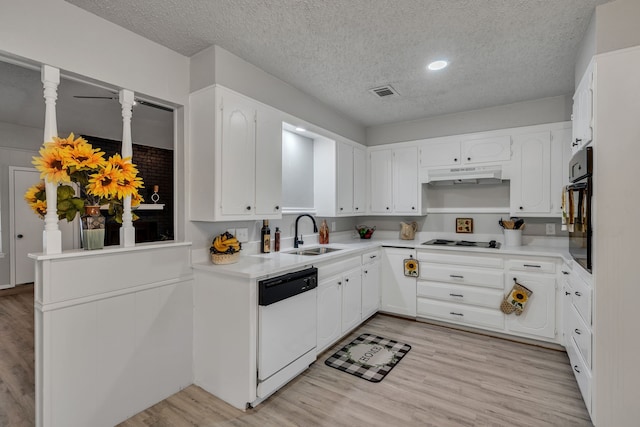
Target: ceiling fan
136 101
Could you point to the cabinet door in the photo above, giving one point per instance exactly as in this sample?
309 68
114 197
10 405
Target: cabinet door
539 316
434 154
530 183
268 164
329 312
344 185
405 180
351 299
370 289
359 180
380 176
560 156
486 150
398 292
237 162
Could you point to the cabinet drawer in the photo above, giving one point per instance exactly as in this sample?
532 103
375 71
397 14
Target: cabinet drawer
370 257
338 267
581 372
479 260
581 297
460 294
580 333
462 275
531 265
460 313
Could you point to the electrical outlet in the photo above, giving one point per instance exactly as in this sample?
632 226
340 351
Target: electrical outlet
242 234
333 226
231 230
551 229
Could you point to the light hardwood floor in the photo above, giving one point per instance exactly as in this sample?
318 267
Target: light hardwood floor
449 378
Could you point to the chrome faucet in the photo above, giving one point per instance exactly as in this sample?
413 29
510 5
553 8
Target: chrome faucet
297 242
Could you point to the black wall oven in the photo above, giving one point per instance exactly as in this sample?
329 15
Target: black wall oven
580 213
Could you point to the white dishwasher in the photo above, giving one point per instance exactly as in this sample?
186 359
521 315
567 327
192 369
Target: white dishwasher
286 328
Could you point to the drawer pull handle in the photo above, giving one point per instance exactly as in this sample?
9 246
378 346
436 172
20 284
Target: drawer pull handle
456 314
457 295
567 293
577 331
373 256
578 294
456 276
565 272
575 368
533 265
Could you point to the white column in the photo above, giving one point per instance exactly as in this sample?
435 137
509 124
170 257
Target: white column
127 232
51 236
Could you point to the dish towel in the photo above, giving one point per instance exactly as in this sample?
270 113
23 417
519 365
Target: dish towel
568 210
516 299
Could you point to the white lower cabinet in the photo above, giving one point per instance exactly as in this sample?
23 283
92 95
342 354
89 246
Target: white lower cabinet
370 284
339 301
539 316
460 313
398 291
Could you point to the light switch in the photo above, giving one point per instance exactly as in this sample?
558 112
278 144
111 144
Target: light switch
242 234
551 229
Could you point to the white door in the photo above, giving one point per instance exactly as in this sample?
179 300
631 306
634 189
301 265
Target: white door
359 180
436 154
351 299
531 183
405 180
398 291
329 312
26 227
539 315
268 164
380 177
238 155
370 289
345 179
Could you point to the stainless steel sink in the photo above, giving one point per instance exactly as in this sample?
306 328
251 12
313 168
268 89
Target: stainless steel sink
314 251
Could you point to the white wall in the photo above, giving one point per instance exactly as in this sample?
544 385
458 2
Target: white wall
617 25
546 110
586 49
235 73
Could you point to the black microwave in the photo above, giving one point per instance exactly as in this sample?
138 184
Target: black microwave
579 193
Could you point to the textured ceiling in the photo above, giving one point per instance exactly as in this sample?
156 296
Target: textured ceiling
501 51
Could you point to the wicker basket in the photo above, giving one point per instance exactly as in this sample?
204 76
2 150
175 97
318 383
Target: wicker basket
225 258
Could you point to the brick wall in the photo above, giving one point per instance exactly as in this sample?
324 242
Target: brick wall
155 166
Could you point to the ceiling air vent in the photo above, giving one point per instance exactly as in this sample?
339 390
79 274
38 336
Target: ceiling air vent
384 91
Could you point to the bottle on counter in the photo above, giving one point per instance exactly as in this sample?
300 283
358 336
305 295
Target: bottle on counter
276 242
323 236
265 237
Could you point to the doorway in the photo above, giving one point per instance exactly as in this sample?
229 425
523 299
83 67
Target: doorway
26 227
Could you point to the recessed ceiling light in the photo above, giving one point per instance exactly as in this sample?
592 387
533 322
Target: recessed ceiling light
437 65
299 129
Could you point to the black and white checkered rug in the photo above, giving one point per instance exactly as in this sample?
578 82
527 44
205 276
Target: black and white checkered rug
369 356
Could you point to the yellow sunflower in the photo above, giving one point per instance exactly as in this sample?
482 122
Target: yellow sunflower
83 156
126 187
52 164
71 141
124 165
39 207
104 183
31 195
136 199
519 296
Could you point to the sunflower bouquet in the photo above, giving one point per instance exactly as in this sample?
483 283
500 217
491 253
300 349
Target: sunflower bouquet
84 177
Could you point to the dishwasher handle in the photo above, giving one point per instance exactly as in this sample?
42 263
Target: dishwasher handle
271 291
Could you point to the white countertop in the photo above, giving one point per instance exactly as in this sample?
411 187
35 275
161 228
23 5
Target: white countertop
252 266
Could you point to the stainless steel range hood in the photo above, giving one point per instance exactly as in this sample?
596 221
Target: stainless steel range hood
465 175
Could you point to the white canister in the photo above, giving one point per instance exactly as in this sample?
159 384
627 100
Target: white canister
512 237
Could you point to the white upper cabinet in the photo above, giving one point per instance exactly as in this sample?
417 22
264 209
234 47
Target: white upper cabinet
486 150
380 177
238 145
405 181
235 157
531 180
359 180
583 112
394 187
345 179
447 152
268 173
435 154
